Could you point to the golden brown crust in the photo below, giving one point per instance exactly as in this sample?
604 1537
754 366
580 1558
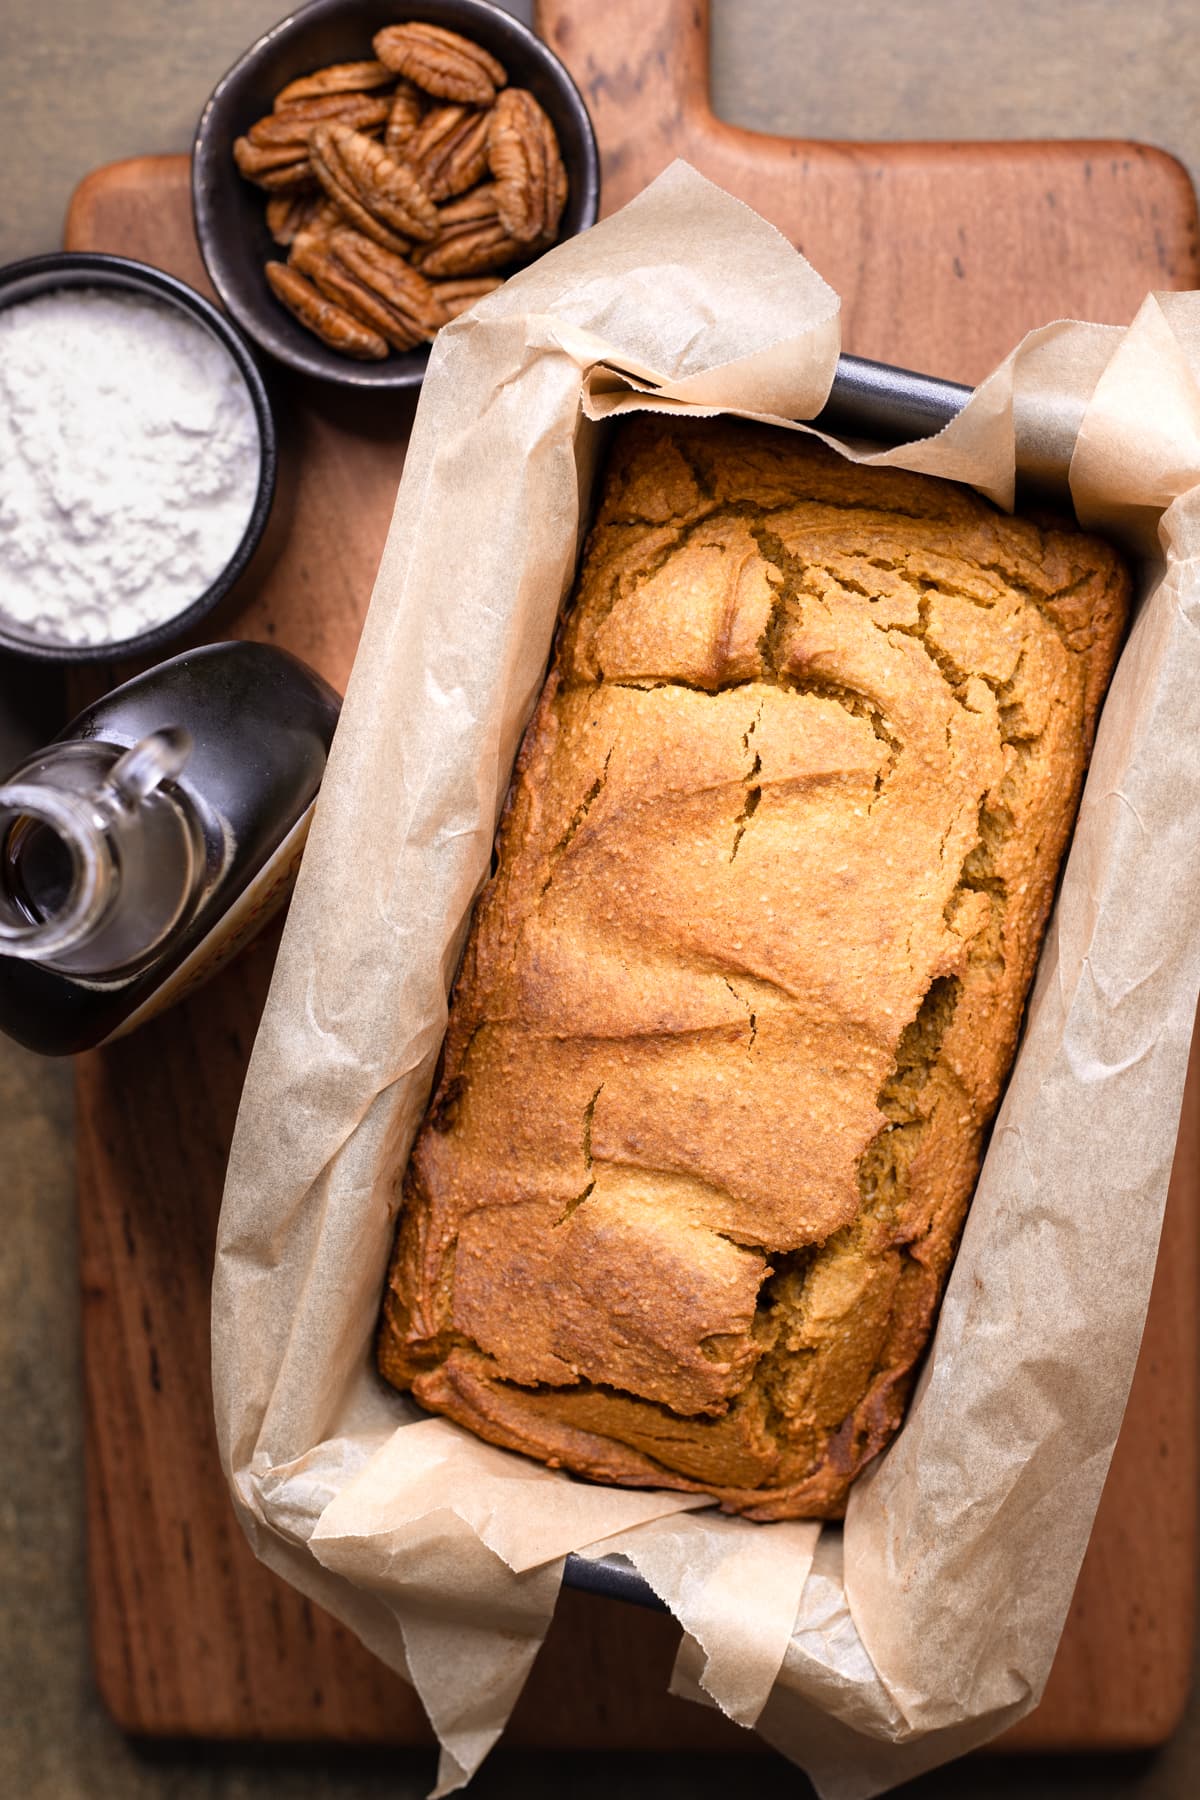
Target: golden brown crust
738 1003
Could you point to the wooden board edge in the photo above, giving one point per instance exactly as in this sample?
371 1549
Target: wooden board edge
131 173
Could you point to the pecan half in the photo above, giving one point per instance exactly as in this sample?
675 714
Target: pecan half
348 212
471 240
448 152
408 106
338 78
290 214
363 112
441 62
457 296
395 281
363 181
523 154
284 167
313 259
380 289
331 323
480 203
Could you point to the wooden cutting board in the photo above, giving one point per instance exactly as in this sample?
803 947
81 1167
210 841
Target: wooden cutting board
943 254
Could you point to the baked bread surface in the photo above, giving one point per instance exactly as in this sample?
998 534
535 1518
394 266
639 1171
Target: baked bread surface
738 1002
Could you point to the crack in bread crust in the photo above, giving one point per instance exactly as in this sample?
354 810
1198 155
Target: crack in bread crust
739 1000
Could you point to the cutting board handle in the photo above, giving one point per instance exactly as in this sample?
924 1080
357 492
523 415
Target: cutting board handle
944 254
638 55
642 67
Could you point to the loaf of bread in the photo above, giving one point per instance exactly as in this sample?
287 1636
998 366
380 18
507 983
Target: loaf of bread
739 999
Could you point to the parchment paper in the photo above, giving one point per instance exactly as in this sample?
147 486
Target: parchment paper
930 1623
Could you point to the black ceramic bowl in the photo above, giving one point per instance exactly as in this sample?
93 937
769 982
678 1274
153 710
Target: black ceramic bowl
88 269
230 212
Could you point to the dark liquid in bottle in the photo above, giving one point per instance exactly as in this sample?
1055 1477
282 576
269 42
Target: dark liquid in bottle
37 869
261 724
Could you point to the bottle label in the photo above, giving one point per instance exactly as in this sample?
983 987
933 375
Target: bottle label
262 897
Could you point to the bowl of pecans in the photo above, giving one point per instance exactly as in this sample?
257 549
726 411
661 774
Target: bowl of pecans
370 168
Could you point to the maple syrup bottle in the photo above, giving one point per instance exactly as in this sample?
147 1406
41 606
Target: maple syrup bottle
153 838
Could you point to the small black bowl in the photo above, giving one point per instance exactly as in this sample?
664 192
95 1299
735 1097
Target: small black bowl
91 269
230 213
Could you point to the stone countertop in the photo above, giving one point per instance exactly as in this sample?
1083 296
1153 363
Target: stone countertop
83 85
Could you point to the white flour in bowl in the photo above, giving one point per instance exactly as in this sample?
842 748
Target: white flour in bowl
129 456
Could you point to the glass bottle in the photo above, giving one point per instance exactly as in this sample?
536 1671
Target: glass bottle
144 846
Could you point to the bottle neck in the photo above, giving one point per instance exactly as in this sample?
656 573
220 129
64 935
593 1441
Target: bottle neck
100 855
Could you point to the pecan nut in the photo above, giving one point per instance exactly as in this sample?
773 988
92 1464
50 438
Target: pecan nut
330 322
290 214
363 181
363 112
389 240
523 155
408 108
338 78
374 285
349 213
397 284
314 260
448 152
284 167
470 240
441 62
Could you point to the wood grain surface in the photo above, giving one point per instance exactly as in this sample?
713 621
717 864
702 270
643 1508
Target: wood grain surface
191 1635
938 250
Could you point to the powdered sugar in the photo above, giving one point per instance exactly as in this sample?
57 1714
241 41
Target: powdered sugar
129 458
